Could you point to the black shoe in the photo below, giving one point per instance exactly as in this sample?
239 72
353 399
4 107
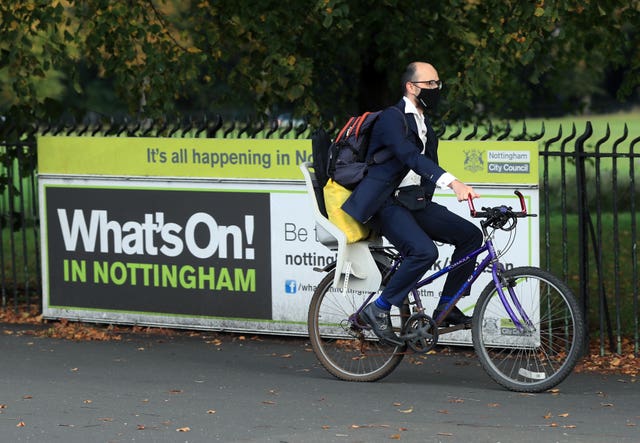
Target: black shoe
380 322
455 318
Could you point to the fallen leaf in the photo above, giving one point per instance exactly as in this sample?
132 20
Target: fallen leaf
140 427
606 405
406 411
185 429
443 411
569 426
326 427
446 434
27 397
20 424
394 437
547 416
456 400
176 391
397 404
74 369
354 426
87 402
285 356
493 405
565 414
2 406
268 402
211 411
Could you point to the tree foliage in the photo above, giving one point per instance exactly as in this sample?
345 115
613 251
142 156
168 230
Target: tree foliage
318 58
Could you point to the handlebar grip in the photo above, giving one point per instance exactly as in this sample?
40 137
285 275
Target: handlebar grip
472 209
523 205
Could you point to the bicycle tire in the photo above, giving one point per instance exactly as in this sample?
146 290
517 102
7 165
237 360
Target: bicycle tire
533 361
350 354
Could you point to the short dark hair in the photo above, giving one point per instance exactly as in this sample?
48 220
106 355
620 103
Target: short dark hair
409 74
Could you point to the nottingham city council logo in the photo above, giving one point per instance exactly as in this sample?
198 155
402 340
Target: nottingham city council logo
473 160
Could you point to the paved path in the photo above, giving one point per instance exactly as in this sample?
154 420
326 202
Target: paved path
219 387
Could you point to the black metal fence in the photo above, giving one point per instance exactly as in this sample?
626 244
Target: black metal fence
589 198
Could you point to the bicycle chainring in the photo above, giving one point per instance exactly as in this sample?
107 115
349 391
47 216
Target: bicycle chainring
420 333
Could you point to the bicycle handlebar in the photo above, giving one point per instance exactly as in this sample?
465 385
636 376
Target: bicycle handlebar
498 216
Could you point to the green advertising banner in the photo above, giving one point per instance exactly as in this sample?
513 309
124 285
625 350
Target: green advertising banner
470 161
172 157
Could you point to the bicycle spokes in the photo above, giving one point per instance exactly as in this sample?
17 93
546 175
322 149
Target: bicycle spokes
540 351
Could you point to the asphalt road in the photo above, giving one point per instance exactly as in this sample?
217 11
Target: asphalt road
205 387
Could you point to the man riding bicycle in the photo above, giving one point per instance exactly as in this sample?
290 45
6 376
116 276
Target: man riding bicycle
395 198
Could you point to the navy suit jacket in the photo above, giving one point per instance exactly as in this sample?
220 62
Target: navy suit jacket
391 133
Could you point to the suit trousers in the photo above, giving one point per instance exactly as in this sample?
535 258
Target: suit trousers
413 233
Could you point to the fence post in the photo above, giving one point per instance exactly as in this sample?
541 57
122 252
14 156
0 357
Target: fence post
583 218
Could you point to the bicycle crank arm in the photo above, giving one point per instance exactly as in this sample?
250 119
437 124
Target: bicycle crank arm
450 329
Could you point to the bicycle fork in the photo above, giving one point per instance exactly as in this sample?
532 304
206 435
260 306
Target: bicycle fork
521 321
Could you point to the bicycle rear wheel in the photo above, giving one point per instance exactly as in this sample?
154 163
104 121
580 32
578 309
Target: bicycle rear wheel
539 358
345 349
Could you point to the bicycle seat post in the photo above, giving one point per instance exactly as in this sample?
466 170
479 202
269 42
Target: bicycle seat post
417 301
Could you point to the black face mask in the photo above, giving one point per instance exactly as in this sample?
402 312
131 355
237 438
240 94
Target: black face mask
429 99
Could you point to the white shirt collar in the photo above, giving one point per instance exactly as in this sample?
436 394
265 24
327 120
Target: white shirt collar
409 107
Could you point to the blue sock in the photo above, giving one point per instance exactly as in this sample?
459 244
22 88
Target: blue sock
383 304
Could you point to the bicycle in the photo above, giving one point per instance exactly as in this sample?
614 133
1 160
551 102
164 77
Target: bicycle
527 328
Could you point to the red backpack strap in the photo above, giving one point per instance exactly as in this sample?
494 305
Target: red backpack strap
359 123
342 131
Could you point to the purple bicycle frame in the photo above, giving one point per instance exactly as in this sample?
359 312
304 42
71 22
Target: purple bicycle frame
496 268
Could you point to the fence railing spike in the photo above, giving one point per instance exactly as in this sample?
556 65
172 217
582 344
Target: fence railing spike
473 133
505 134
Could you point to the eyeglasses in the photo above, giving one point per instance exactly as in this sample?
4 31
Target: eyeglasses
431 84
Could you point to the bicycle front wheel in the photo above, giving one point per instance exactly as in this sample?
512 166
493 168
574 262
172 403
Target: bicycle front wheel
543 353
345 349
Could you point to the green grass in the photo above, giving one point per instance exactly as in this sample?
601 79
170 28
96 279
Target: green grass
617 268
599 122
616 123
